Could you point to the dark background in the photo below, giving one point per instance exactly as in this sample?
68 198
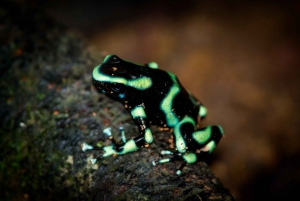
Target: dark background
241 59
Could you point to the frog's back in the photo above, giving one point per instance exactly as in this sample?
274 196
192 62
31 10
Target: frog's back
167 102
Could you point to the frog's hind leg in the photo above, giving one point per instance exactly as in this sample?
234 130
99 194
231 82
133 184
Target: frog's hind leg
108 150
182 129
202 142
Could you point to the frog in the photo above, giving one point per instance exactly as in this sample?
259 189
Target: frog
155 97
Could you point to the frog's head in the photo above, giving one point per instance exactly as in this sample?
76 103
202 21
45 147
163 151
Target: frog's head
118 78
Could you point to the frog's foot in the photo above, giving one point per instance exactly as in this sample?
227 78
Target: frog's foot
175 157
115 148
108 151
86 147
166 160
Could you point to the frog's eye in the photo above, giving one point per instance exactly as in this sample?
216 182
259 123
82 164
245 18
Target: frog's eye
112 59
117 87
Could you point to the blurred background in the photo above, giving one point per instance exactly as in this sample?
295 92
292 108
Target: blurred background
241 59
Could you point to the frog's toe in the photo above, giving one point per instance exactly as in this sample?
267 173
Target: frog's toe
85 147
178 172
93 160
166 152
154 163
107 131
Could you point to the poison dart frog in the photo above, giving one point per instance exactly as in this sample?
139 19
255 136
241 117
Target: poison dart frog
155 97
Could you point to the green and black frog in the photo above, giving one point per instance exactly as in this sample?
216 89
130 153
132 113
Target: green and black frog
155 97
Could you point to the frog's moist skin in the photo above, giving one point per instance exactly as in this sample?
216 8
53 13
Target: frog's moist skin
153 96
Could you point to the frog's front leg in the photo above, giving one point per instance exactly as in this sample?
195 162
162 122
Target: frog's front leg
124 147
140 118
145 137
181 131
